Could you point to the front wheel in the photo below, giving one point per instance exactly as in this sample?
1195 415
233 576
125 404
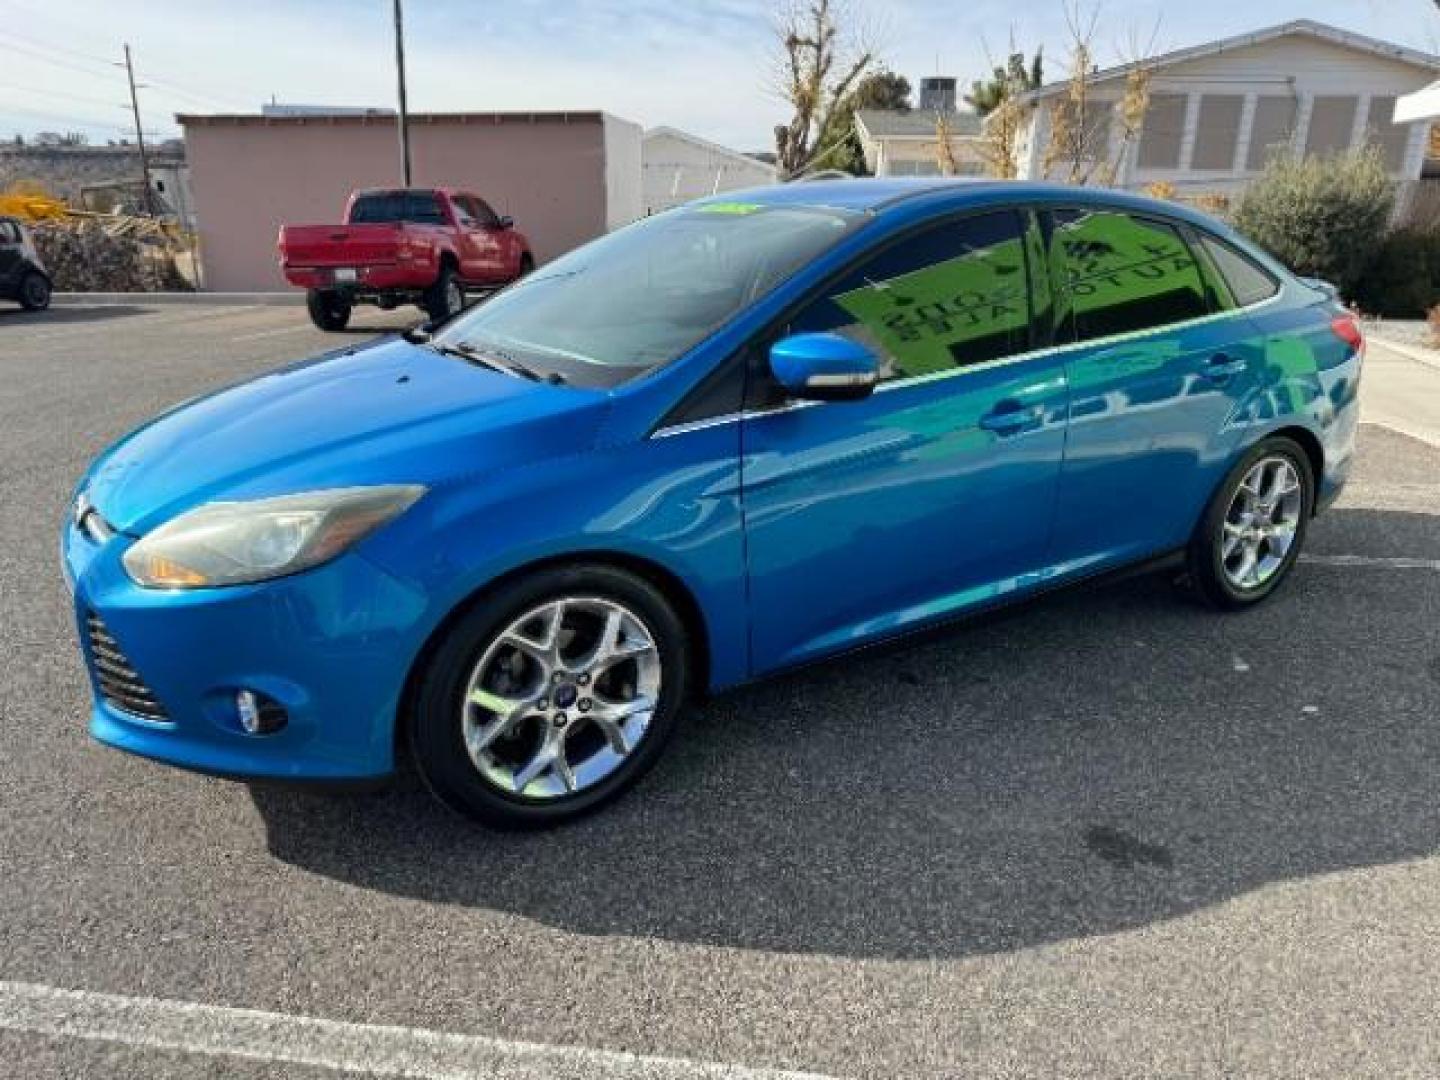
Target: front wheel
330 311
1254 527
35 292
550 698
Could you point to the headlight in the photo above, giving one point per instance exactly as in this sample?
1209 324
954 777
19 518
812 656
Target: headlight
232 543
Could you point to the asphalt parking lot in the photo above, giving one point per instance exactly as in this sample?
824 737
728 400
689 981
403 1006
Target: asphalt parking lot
1110 835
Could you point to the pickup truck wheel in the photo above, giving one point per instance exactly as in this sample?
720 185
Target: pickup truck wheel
329 311
446 297
34 292
527 264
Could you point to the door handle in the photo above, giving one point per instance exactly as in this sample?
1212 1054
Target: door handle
1222 366
1010 417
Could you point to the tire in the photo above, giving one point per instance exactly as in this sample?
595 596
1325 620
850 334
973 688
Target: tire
446 725
527 264
446 297
34 291
1216 558
330 311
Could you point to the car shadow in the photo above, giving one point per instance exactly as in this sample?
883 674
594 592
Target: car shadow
1094 763
67 314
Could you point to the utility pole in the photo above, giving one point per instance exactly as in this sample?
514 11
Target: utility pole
140 133
404 112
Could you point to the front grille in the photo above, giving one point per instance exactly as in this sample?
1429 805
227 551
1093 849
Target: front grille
120 684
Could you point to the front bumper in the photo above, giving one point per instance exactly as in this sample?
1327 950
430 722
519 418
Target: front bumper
332 645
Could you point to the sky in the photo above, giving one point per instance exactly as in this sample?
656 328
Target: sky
706 66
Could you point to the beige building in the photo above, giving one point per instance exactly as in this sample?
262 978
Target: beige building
565 177
1220 110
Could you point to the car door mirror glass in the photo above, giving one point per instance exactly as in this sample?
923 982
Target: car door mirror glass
824 367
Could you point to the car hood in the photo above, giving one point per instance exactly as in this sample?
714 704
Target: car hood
390 413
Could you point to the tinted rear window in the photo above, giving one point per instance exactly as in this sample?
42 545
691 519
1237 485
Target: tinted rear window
1124 274
417 206
1247 280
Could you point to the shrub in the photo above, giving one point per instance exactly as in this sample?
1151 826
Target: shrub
1322 217
1403 278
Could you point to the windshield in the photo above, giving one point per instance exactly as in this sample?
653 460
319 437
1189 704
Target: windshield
642 296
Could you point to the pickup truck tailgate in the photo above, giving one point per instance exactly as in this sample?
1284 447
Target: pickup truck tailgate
340 245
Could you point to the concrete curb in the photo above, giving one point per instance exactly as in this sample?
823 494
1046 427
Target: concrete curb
1428 357
165 299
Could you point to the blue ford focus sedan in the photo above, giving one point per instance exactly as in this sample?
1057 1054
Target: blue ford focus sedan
748 433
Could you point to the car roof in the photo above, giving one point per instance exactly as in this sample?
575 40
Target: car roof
881 195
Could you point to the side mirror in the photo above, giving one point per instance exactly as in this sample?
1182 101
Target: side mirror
824 367
505 222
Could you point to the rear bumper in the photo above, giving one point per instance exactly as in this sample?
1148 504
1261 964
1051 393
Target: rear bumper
384 277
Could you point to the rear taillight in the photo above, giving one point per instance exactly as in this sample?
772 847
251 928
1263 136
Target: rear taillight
1347 329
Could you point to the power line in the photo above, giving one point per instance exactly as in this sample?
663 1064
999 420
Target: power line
55 94
72 59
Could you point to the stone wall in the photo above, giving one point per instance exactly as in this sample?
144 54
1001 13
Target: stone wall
63 170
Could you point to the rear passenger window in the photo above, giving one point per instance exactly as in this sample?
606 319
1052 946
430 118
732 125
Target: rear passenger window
952 296
1121 274
1247 280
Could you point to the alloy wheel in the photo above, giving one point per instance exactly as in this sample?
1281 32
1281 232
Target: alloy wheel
1261 524
561 697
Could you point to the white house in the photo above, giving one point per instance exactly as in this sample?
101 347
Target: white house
908 143
677 167
1219 111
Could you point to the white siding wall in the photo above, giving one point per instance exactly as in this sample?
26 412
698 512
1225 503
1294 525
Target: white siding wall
1300 66
920 157
623 198
677 170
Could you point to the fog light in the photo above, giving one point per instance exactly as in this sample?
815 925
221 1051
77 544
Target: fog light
259 715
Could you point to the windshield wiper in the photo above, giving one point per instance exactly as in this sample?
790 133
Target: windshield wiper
495 360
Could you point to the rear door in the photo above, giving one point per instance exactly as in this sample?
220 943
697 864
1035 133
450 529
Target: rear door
1158 370
936 492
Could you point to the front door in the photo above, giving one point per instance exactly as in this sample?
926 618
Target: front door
482 253
936 492
1156 372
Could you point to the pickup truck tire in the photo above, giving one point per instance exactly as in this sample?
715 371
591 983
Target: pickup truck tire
527 264
330 311
446 297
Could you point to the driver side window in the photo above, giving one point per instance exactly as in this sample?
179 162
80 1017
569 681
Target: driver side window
952 296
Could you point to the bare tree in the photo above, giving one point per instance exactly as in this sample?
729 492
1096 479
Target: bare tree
1072 122
820 62
1089 139
998 100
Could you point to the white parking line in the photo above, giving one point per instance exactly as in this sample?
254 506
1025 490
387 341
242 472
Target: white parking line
1396 563
378 1050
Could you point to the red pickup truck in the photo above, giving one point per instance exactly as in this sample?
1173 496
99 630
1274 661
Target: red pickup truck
422 246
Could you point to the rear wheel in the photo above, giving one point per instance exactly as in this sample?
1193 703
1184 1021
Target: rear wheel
527 264
34 291
446 297
329 310
551 698
1254 527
